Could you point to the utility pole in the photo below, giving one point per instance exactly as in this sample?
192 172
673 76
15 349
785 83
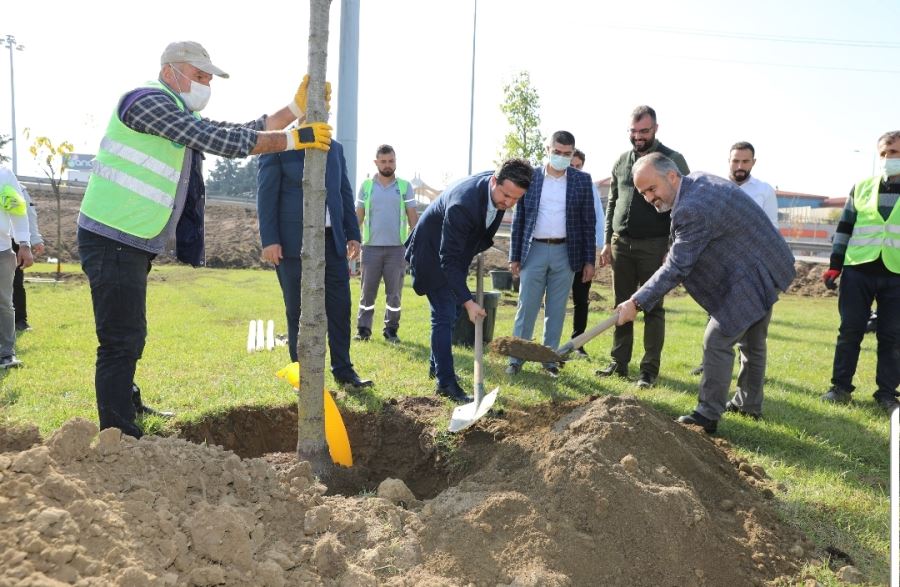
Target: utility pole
10 43
348 85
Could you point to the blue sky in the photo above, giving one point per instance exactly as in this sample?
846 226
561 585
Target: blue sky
811 84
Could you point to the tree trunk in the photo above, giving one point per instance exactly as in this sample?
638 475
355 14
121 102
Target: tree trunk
313 324
55 185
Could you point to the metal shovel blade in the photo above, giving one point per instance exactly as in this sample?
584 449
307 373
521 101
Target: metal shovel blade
465 415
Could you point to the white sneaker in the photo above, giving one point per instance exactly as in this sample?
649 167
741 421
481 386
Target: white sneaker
9 362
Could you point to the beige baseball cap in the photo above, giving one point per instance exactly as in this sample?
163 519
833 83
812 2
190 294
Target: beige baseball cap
193 53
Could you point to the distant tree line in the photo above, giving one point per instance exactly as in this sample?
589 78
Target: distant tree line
233 178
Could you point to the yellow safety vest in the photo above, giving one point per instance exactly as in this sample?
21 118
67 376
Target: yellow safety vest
873 236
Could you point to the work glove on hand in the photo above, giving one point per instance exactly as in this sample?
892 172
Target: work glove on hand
830 277
315 135
298 106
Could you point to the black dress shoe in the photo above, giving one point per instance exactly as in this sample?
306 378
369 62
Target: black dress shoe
888 404
646 380
454 393
353 380
552 371
697 419
143 410
612 369
730 407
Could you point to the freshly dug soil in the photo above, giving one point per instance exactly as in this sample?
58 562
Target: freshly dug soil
527 350
602 492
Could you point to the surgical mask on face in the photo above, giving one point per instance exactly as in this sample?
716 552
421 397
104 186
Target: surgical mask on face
889 167
197 99
559 162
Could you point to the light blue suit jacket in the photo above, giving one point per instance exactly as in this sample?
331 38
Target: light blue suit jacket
725 251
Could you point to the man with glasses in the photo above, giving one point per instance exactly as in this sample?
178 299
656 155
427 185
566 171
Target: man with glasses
637 238
553 236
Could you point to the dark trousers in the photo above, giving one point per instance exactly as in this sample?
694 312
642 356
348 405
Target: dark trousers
444 312
20 303
117 274
580 293
858 290
634 261
337 304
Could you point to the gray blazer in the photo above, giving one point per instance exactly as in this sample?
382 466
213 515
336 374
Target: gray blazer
725 251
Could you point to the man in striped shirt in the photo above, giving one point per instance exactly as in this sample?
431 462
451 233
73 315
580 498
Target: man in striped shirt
866 255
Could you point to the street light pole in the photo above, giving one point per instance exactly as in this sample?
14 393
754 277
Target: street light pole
472 85
10 43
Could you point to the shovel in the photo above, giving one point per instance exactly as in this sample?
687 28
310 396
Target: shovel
467 414
532 351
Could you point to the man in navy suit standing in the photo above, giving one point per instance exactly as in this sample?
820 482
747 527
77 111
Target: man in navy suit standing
553 237
280 208
453 229
733 262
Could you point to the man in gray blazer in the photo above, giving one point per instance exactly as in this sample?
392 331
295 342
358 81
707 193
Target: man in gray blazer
733 262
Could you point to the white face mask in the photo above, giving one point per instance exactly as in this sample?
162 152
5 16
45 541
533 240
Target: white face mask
197 99
889 167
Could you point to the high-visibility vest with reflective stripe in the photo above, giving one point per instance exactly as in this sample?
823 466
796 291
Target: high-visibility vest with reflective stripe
403 186
873 235
135 178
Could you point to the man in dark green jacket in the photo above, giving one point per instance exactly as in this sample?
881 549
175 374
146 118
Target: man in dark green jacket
637 238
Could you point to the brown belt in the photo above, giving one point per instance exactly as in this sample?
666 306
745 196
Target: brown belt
549 241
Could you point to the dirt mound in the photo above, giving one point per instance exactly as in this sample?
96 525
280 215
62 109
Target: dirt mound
808 281
603 493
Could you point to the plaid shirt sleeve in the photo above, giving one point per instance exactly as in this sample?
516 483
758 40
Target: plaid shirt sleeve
157 114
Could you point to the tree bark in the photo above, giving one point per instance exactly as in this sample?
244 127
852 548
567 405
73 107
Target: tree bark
313 324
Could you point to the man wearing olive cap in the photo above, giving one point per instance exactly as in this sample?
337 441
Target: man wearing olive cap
146 189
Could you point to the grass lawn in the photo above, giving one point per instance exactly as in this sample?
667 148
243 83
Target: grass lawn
833 460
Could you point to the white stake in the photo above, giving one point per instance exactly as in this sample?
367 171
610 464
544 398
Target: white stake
251 337
260 336
270 335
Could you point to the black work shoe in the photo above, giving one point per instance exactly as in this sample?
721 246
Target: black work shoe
454 393
352 380
143 410
363 334
551 370
698 370
836 395
730 407
390 335
888 404
9 362
612 369
645 380
22 326
698 419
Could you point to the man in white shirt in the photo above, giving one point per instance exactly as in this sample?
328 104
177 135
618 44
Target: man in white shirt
553 236
741 162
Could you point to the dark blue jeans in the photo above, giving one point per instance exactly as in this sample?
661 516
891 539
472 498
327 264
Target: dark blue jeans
858 290
444 311
118 277
337 304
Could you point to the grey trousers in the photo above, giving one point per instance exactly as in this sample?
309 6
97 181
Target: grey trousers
387 264
718 365
7 312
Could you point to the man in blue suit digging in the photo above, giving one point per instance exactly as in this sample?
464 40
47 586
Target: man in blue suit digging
733 262
453 229
280 208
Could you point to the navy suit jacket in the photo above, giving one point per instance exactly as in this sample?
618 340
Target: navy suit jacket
279 200
725 251
581 229
449 234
